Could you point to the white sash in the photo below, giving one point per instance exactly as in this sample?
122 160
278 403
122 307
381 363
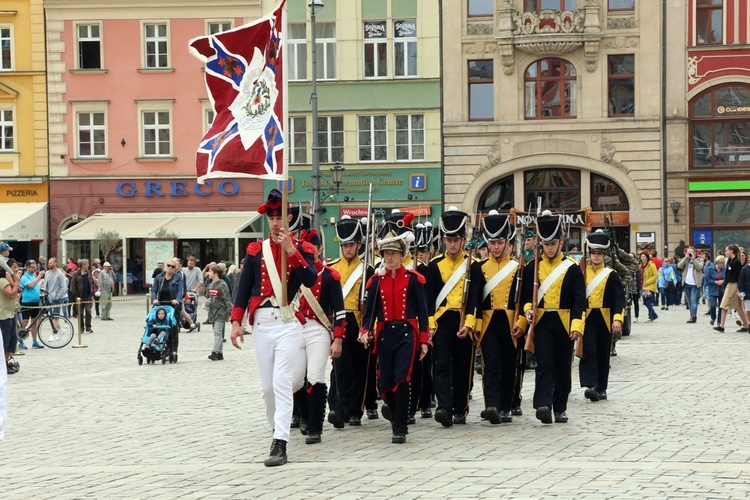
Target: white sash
273 275
315 305
552 278
597 280
498 278
455 277
351 281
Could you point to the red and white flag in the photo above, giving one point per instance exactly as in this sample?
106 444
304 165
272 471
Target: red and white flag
244 78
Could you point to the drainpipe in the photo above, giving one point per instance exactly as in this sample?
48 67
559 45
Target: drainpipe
664 193
442 114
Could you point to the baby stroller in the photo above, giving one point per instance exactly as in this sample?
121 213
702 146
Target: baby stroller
161 349
190 305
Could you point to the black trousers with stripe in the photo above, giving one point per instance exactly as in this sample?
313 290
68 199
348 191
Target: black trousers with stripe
453 365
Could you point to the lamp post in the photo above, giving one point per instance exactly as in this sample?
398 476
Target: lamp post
337 175
675 206
315 4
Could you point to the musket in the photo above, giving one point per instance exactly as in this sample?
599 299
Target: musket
362 293
467 275
519 279
535 295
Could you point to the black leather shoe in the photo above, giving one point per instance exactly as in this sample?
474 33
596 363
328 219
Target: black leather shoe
544 414
505 417
561 417
591 394
278 454
743 330
492 415
312 438
372 414
613 352
303 426
443 417
426 413
459 419
398 439
295 421
516 411
603 395
335 419
411 420
355 421
719 329
386 411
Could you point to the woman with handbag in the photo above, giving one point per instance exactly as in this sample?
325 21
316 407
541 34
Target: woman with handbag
665 283
649 275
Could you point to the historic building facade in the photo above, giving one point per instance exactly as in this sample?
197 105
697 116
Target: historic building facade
556 99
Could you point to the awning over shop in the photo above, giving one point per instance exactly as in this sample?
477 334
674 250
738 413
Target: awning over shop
23 221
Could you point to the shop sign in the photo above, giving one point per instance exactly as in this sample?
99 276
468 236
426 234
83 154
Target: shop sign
382 212
641 238
23 193
604 219
572 219
703 237
177 188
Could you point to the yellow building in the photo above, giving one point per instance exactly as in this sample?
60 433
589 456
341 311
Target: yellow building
23 127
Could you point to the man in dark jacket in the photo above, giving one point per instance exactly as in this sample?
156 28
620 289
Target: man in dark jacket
82 287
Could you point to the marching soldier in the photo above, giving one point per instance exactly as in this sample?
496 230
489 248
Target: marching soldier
604 316
557 317
350 372
495 289
452 322
396 298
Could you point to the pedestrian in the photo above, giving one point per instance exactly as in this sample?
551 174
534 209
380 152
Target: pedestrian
72 310
557 318
169 289
158 269
635 290
72 264
692 280
157 327
665 282
106 288
396 299
42 263
714 277
193 279
605 313
350 371
9 285
82 285
494 294
219 309
276 330
648 279
5 250
96 268
56 286
452 322
30 286
743 284
732 299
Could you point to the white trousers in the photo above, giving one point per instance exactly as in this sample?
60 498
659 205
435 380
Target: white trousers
314 359
277 350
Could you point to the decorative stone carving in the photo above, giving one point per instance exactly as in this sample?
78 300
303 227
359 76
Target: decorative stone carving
591 55
621 42
620 23
479 29
549 48
548 21
692 70
607 154
494 157
480 48
507 57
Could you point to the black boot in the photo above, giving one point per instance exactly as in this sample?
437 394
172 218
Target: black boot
300 409
277 455
400 413
317 412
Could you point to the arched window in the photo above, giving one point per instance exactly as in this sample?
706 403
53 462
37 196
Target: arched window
498 196
607 195
559 189
720 128
550 89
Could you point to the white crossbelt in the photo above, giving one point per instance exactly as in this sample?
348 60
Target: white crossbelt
498 278
273 274
455 277
316 307
351 281
552 278
597 280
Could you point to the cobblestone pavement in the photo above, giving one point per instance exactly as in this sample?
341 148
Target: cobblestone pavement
91 423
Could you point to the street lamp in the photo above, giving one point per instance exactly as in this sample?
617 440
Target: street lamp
675 205
315 4
337 175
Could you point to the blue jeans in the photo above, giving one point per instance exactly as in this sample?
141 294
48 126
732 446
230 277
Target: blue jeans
692 293
649 303
62 308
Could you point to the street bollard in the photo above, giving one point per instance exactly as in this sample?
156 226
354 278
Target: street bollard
80 324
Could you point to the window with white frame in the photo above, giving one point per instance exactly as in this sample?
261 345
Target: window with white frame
156 133
297 47
6 130
91 130
373 138
208 118
6 48
325 44
409 137
405 47
298 143
89 46
331 139
156 45
376 49
218 26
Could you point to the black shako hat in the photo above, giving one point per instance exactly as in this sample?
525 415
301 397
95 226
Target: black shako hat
349 230
598 241
423 237
396 233
296 224
497 227
549 226
453 223
272 206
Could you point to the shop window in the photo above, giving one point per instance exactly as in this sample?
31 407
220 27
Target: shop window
621 85
550 90
607 195
331 139
558 5
720 128
89 46
725 221
498 196
372 134
615 5
297 47
481 7
405 48
481 90
709 21
559 189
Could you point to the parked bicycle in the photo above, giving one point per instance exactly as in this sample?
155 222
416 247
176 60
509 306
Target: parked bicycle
53 330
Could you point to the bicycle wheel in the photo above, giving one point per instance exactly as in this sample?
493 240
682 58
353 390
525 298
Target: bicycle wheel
55 331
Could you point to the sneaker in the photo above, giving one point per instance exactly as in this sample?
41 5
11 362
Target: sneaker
635 320
193 327
719 329
22 346
743 330
37 345
52 338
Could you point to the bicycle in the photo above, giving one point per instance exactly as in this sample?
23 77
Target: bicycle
53 330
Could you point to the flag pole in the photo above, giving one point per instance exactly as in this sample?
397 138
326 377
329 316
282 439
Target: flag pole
285 157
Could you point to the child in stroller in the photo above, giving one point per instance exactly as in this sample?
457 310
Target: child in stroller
190 305
155 343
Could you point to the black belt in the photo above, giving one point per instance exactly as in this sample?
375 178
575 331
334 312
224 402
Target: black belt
267 303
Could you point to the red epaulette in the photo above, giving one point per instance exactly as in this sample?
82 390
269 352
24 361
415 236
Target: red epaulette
307 247
254 248
422 280
334 273
369 282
